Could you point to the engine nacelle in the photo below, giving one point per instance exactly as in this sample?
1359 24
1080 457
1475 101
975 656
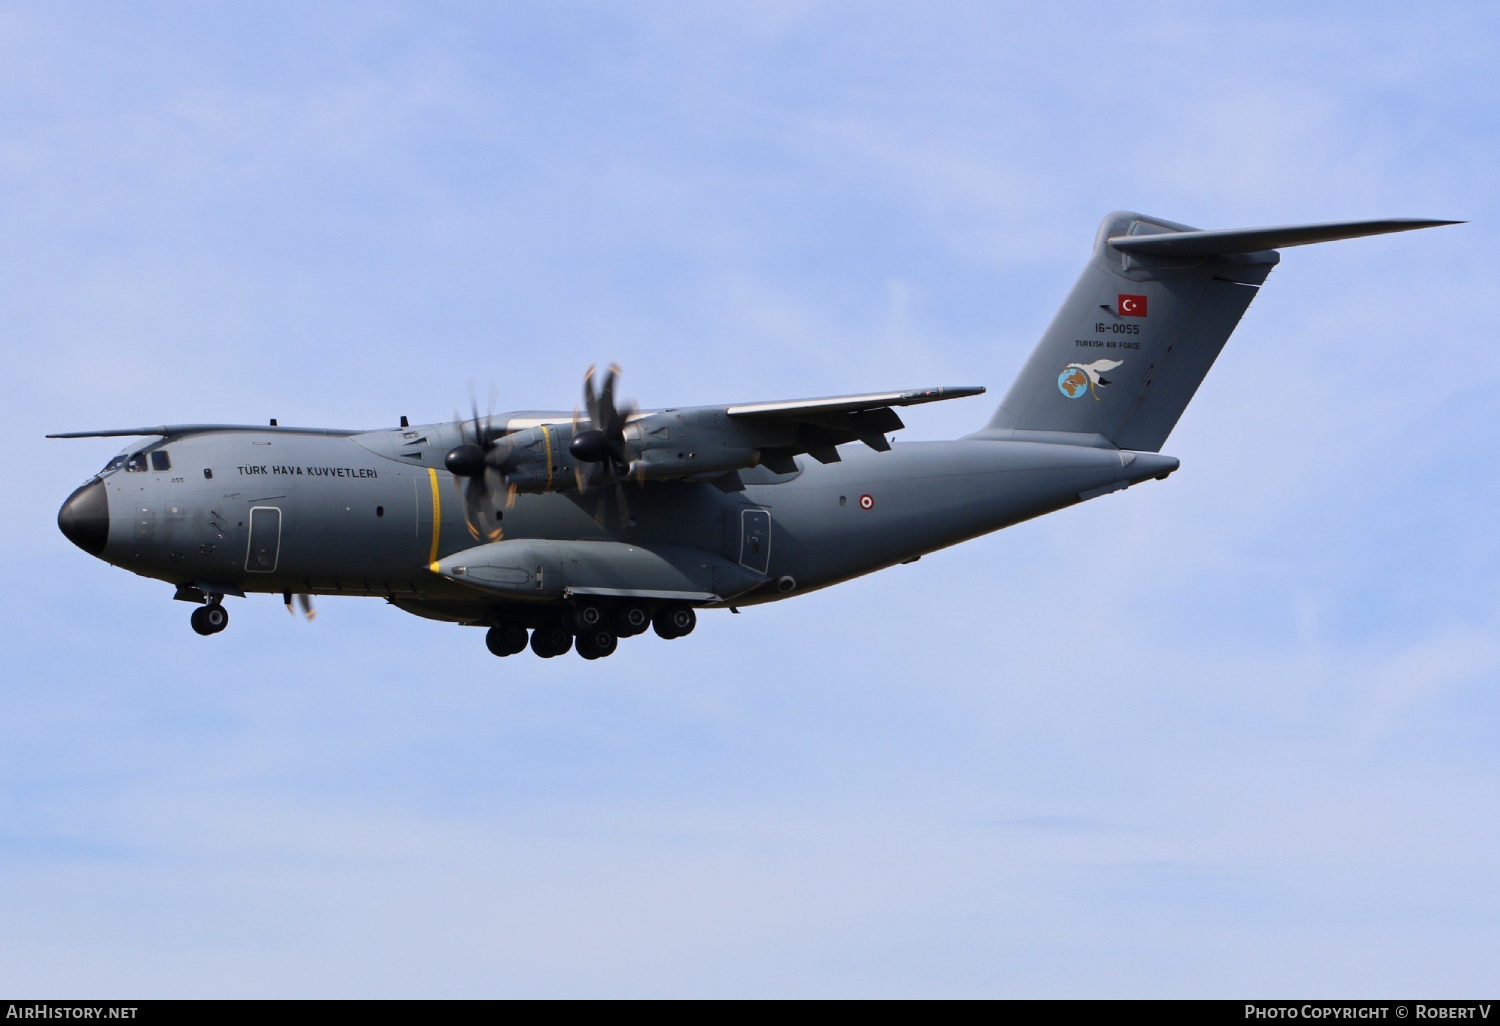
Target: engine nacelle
666 446
536 459
673 445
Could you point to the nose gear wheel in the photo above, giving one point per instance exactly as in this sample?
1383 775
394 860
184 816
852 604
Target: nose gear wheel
209 619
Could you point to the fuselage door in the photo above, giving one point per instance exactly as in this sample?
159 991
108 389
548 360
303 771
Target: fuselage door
265 540
755 539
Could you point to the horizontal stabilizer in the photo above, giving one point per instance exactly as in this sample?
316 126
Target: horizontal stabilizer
1255 240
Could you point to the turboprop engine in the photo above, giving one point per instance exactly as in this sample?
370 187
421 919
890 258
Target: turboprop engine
612 446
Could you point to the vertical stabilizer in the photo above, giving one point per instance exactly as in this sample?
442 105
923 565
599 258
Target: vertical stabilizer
1145 322
1131 344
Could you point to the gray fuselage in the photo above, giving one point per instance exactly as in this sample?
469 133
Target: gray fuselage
334 513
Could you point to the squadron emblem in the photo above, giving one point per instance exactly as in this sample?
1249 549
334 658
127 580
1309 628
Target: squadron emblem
1078 378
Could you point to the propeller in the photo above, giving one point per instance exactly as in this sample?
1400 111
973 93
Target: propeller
304 605
487 464
602 451
475 465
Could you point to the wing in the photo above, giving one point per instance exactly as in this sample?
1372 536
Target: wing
816 426
179 430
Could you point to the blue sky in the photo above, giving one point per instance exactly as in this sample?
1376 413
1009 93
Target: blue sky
1229 734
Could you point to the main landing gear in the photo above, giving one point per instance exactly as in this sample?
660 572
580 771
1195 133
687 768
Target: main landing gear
597 643
593 629
210 619
674 622
548 642
506 640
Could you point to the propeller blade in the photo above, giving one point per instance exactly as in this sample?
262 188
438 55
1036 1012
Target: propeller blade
624 506
607 409
477 464
590 401
304 605
463 501
483 499
604 440
479 438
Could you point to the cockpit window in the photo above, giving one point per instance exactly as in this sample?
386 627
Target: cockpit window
115 463
136 463
160 460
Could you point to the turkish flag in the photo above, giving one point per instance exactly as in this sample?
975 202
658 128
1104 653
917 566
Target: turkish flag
1131 306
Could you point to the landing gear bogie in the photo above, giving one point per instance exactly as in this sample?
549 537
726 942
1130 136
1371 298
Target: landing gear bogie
674 621
552 641
505 639
597 643
588 616
593 627
631 619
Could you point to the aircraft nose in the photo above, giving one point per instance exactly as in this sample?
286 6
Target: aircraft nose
84 518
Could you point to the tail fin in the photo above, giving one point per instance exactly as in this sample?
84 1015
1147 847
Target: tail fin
1147 319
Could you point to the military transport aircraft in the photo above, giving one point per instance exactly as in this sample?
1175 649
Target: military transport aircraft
575 529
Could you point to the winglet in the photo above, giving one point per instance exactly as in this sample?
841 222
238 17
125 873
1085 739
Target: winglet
1256 240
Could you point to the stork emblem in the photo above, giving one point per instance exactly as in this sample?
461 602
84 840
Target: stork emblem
1078 378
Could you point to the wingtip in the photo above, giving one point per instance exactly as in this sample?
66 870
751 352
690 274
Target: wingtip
947 392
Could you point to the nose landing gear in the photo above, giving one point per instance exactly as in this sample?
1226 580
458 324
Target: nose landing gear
210 619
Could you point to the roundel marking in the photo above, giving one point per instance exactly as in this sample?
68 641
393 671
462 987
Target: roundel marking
867 502
1073 382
